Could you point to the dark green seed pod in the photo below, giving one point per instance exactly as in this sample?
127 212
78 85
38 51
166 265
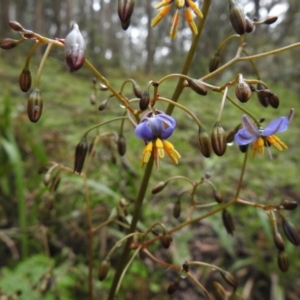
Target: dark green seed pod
25 80
7 44
289 205
137 90
283 261
121 143
237 18
243 91
229 278
103 269
177 209
159 187
290 232
172 288
197 86
218 139
144 101
214 62
34 105
166 240
278 241
16 26
80 154
218 291
125 10
228 222
204 142
218 197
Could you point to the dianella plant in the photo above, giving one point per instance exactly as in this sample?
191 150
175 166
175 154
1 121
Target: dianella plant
150 119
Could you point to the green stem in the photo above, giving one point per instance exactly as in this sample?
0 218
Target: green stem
39 72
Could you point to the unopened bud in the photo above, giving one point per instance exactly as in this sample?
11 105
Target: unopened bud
159 187
103 269
218 139
172 288
289 205
237 18
218 291
74 49
121 143
125 25
25 80
229 278
185 267
197 86
290 232
278 240
28 34
144 101
218 197
55 183
166 240
283 261
249 25
274 100
93 98
204 142
16 26
137 90
8 44
214 62
270 20
80 154
103 105
243 90
34 105
243 148
125 10
262 95
177 209
228 222
47 179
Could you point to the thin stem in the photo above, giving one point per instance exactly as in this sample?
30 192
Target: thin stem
39 72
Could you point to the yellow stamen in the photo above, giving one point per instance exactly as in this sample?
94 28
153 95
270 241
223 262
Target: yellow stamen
195 8
179 3
174 26
163 3
258 146
173 154
146 154
160 148
162 13
190 20
276 142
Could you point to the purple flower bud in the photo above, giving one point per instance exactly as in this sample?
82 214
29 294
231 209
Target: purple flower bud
74 49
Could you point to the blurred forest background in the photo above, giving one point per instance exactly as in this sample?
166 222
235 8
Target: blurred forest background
51 263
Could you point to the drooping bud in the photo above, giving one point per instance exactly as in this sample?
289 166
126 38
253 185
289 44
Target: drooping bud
177 209
230 135
243 148
218 291
283 261
166 240
103 104
214 62
185 267
137 90
289 205
93 98
229 278
16 26
290 232
34 105
125 9
228 222
218 139
237 18
55 183
243 90
218 197
8 44
249 25
262 96
103 269
274 100
278 241
270 20
144 101
47 179
25 80
74 49
80 154
121 143
159 187
172 288
204 142
197 86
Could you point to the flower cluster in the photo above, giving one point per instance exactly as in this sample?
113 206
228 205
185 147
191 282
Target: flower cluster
262 136
154 129
179 4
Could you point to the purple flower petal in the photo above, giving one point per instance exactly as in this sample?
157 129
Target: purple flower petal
278 125
243 137
249 126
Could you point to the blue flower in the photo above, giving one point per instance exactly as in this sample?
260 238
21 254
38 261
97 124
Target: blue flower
262 136
154 129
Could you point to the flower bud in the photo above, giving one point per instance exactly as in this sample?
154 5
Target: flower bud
16 26
103 104
28 34
229 278
289 205
93 98
290 232
274 100
121 143
80 154
214 62
177 209
25 80
8 44
125 10
55 183
249 25
103 269
74 49
197 86
228 222
278 240
218 197
270 20
159 187
137 90
144 101
47 179
172 288
243 90
218 139
262 95
166 240
243 148
204 142
185 267
283 261
237 18
218 291
125 25
34 105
